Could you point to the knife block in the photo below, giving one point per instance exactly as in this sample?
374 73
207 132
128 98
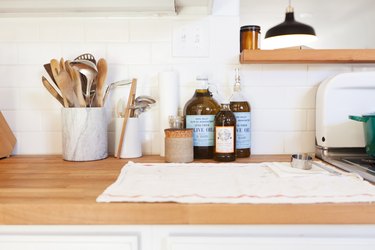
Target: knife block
7 138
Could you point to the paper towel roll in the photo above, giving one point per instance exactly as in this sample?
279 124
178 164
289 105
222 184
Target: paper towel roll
168 101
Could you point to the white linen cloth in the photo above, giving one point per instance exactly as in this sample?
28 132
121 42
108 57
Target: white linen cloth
234 183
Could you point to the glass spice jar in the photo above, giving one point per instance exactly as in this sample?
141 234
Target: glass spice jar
250 37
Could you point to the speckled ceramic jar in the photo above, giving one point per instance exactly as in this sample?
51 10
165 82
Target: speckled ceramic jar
179 145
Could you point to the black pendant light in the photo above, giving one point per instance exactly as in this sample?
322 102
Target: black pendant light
291 32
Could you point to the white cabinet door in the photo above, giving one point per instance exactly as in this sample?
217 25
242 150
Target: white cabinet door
268 243
68 242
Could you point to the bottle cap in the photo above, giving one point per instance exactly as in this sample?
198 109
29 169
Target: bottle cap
202 81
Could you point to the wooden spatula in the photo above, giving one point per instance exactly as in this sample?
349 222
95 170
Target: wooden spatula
100 80
52 90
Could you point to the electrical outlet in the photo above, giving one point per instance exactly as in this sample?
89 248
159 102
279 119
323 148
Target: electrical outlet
190 39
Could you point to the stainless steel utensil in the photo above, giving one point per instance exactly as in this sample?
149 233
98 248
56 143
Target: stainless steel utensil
139 108
331 171
113 85
145 99
76 81
90 74
86 56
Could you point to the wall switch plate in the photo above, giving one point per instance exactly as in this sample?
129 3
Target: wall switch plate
190 39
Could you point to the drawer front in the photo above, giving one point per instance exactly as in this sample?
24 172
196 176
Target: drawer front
68 242
267 243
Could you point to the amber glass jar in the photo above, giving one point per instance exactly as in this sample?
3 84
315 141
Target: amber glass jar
200 113
249 37
242 111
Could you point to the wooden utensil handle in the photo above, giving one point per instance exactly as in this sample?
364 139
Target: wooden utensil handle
131 98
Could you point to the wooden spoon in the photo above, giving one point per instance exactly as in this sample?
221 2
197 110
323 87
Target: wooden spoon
52 90
55 68
100 79
67 89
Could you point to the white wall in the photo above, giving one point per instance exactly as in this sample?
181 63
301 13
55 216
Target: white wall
282 96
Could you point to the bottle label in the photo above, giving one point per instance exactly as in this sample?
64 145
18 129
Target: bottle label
224 139
203 129
243 129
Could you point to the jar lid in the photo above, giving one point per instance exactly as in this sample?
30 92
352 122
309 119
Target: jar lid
178 133
250 28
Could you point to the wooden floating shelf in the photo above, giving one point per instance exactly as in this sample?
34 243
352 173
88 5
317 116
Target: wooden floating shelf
308 56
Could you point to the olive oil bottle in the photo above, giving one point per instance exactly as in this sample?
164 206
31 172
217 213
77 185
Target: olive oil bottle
199 114
242 111
225 134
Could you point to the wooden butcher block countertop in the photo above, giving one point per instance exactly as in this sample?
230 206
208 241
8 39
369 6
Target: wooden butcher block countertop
46 190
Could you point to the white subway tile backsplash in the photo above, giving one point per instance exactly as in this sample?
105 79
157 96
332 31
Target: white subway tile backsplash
161 53
38 53
13 30
147 76
129 53
284 75
36 99
265 97
267 142
300 97
51 120
39 142
153 30
21 121
58 30
251 74
9 53
107 30
26 75
8 98
278 120
72 50
117 73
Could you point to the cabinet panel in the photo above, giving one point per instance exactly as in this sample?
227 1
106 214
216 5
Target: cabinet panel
268 243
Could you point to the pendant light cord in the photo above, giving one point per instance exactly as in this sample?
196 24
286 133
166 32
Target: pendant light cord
289 9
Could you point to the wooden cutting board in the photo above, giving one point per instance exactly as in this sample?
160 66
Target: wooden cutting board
7 138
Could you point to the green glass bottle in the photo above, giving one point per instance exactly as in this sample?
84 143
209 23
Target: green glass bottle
199 114
225 134
242 110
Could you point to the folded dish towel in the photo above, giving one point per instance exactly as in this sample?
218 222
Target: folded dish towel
233 183
283 169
